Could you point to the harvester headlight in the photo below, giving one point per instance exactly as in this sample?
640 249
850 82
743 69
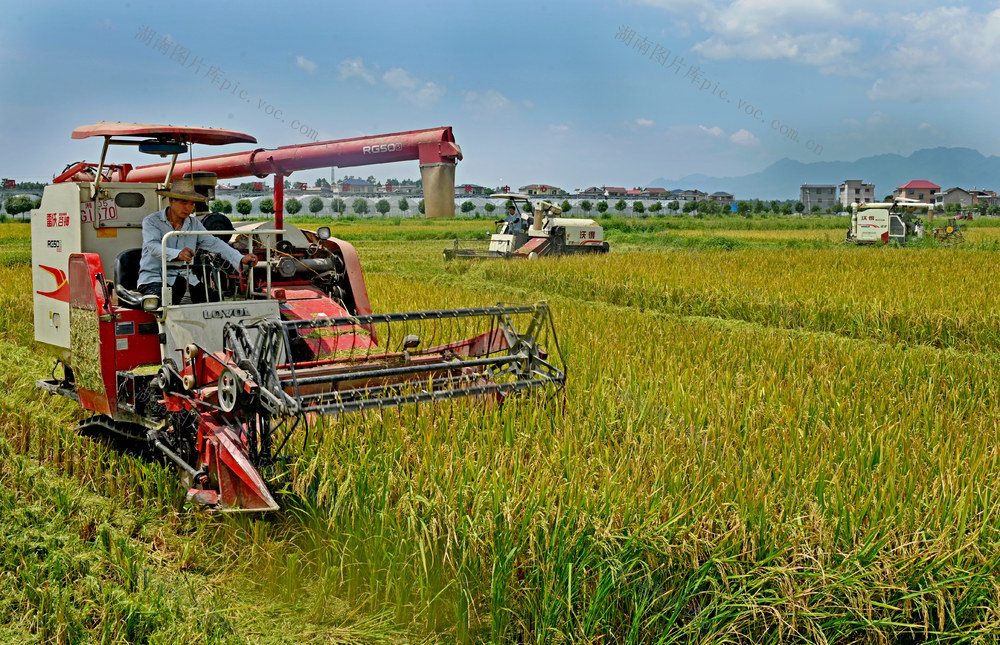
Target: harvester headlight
323 232
150 303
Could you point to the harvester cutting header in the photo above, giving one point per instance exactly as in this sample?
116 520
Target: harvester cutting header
221 387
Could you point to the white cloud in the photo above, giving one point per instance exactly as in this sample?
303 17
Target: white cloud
306 64
645 123
877 120
408 88
355 68
559 128
419 93
487 104
744 138
797 30
909 50
820 33
675 5
955 50
399 79
715 131
427 95
929 129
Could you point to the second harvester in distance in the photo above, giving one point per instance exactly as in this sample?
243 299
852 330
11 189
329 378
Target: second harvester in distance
533 230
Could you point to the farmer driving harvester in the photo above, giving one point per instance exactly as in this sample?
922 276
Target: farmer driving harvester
177 217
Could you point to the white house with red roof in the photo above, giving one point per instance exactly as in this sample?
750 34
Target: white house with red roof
920 190
542 189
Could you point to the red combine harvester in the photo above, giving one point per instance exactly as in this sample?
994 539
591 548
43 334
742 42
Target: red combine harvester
221 387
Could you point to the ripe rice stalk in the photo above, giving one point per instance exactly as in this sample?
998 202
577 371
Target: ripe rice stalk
757 442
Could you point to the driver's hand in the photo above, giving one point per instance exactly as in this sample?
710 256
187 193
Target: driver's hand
186 255
250 259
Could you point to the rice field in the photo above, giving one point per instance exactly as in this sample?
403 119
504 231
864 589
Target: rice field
766 436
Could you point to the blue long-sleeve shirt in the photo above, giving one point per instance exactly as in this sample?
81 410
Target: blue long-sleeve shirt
155 226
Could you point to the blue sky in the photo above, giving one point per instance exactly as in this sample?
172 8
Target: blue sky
566 93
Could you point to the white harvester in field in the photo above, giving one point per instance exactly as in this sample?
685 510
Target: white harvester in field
884 222
530 230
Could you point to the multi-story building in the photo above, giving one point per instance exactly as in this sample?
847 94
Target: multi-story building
856 191
822 195
919 190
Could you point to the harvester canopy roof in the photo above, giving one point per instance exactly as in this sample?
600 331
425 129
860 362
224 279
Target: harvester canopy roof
896 204
206 136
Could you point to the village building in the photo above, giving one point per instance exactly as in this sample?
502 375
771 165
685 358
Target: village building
357 186
543 190
919 190
954 195
822 195
856 191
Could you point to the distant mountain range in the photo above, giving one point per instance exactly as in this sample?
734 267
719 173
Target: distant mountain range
946 167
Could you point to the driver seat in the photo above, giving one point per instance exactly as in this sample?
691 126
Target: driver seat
126 282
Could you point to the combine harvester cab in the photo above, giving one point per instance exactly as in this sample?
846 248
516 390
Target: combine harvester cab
532 231
881 223
221 387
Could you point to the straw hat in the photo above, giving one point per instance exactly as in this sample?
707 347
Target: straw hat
181 189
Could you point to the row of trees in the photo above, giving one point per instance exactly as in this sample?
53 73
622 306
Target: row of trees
982 208
361 206
293 206
20 204
325 183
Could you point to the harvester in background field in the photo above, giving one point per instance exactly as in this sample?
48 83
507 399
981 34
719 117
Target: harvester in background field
884 222
222 388
533 230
